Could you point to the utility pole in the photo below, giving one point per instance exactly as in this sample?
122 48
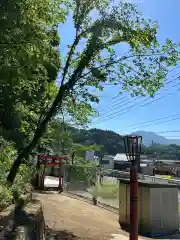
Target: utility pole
133 150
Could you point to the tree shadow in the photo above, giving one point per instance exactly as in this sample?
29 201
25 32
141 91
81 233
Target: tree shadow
60 234
19 222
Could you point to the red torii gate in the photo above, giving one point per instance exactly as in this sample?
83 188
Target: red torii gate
49 160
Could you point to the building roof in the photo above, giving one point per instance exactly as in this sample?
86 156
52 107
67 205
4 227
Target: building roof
120 157
143 164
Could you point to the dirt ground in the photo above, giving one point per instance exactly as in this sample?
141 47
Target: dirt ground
69 218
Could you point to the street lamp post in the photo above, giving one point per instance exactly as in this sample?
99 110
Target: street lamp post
133 150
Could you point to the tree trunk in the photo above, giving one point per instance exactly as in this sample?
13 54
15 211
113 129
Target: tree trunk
88 54
38 134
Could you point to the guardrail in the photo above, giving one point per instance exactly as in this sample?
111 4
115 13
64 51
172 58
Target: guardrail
121 174
145 177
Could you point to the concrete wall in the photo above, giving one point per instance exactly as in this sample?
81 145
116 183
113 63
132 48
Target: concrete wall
164 210
158 208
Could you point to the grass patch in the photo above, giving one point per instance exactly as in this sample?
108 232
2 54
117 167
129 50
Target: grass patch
106 190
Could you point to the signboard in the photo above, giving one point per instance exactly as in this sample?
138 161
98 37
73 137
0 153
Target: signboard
89 155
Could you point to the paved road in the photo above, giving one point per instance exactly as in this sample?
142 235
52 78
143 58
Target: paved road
68 206
73 219
51 181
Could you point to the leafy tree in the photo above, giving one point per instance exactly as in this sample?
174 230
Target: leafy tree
58 138
22 184
109 142
80 149
29 65
112 143
140 71
165 152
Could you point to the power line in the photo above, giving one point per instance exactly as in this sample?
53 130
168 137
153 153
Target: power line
116 114
166 84
129 101
148 97
170 120
113 107
116 103
168 131
150 121
161 97
174 136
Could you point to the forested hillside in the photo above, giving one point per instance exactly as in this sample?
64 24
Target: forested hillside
165 152
67 139
112 143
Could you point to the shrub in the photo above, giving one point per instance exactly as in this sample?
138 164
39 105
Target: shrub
22 184
106 190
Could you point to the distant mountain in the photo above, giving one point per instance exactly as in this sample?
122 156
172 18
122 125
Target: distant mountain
151 137
112 143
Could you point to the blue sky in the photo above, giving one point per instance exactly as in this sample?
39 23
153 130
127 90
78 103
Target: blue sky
166 13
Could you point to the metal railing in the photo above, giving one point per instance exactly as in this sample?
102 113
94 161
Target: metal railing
90 182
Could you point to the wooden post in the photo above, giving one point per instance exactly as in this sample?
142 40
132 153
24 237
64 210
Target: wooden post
60 176
133 201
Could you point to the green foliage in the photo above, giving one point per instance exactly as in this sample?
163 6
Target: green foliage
169 152
61 139
22 185
107 142
106 191
29 65
141 71
57 139
81 174
77 113
80 149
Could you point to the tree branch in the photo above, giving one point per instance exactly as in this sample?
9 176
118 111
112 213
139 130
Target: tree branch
41 129
117 61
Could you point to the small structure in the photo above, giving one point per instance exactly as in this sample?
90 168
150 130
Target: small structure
146 167
43 162
121 164
89 156
107 162
158 207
